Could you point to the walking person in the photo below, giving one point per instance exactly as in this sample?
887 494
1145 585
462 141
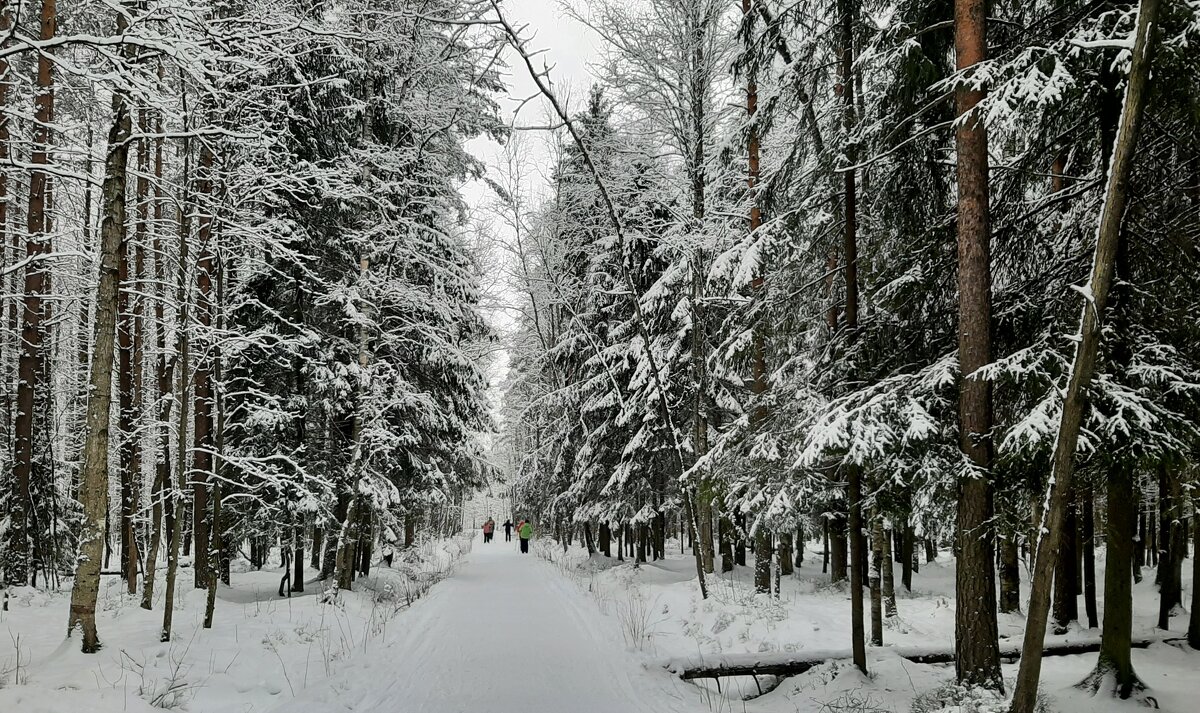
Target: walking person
508 528
525 532
489 527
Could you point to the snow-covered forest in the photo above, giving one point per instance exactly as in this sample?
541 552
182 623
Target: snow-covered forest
835 356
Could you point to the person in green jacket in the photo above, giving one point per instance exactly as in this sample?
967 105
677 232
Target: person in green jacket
525 531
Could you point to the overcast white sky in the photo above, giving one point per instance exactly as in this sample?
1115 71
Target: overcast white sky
569 48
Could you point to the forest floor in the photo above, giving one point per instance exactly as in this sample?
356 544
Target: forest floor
658 607
263 650
550 632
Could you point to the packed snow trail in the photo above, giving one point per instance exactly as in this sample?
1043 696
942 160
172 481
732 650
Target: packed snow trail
507 633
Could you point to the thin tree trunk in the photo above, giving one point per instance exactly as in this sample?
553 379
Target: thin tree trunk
739 545
1173 551
1066 605
838 544
202 461
725 535
298 563
1010 576
1117 632
785 554
889 581
762 559
94 481
182 381
876 580
162 456
1089 555
315 563
32 360
128 442
1193 632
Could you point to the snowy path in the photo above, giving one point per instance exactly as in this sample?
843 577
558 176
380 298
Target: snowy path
506 634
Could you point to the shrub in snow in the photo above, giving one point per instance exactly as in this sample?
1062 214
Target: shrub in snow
854 702
954 698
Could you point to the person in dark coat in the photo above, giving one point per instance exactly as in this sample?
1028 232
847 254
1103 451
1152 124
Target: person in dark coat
508 528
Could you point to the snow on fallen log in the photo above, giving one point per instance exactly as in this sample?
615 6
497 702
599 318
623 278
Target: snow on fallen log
791 663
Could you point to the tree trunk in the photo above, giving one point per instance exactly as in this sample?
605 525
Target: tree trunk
785 554
162 463
202 461
825 549
606 539
1139 552
1066 605
32 360
889 581
705 516
876 579
1115 663
838 545
94 472
975 631
182 381
1117 632
725 535
1089 555
1193 632
905 556
315 563
126 427
762 559
739 546
1010 576
298 563
588 541
799 549
1173 550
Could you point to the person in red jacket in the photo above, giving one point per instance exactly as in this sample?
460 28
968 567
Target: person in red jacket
488 528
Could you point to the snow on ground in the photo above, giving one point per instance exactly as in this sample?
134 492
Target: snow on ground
262 649
658 607
506 634
550 632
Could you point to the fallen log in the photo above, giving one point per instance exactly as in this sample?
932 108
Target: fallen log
797 662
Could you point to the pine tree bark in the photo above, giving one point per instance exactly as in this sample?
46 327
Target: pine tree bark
162 455
739 540
1117 633
1193 632
202 460
125 387
93 492
887 573
1010 576
876 580
1066 606
904 556
1088 507
1173 550
5 158
838 546
858 552
183 381
977 660
785 554
32 360
762 559
726 536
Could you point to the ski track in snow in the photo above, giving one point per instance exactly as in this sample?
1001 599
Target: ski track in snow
507 633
